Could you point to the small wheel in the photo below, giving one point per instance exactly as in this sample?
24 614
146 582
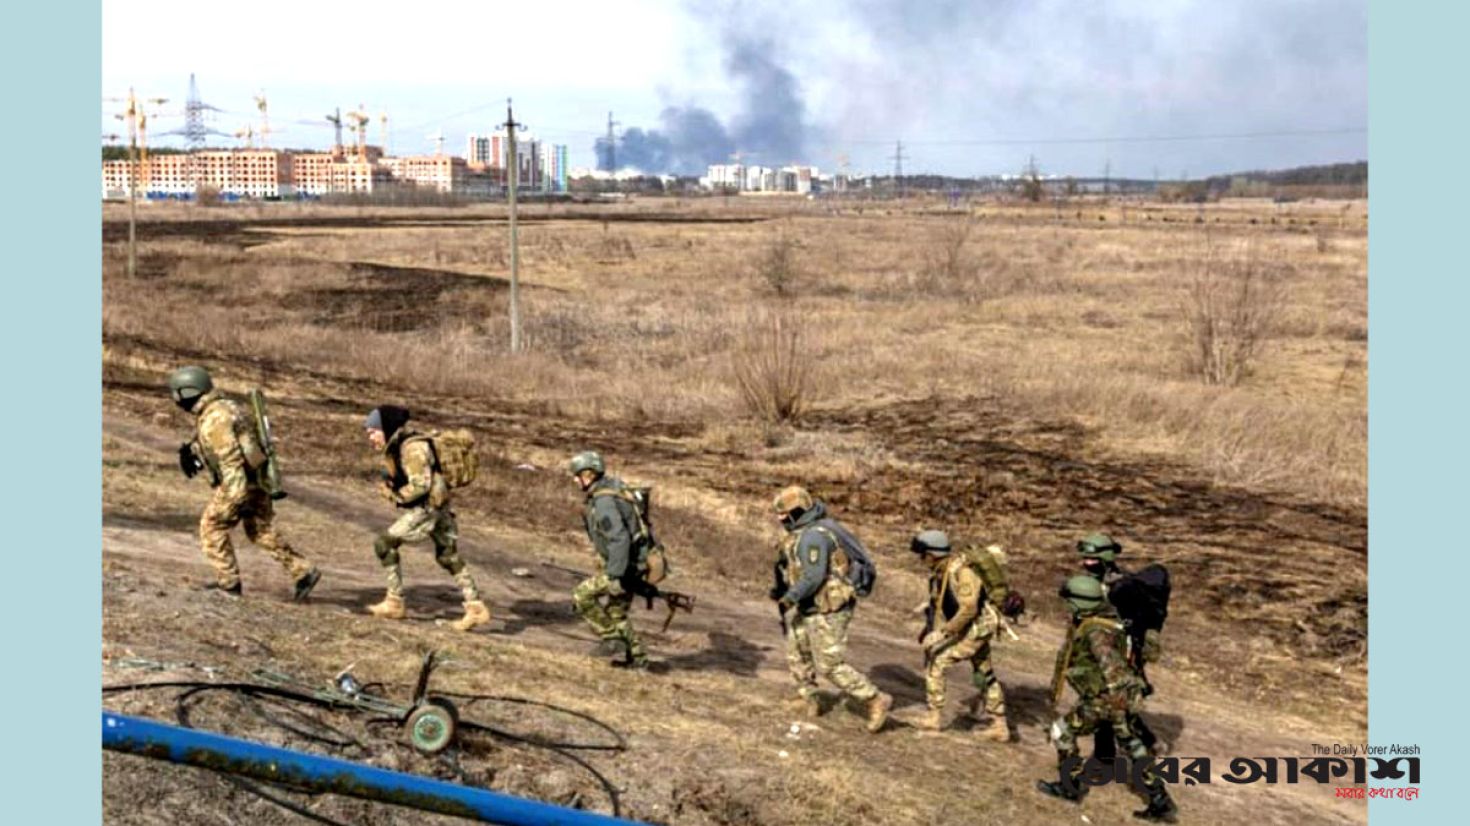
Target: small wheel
431 725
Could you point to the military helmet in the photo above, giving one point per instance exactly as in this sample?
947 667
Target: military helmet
587 460
792 498
188 383
1083 593
1099 546
931 542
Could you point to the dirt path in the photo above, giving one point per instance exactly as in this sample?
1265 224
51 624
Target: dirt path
726 634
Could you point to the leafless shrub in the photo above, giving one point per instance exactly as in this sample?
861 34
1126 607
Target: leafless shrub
773 370
777 265
947 263
1230 308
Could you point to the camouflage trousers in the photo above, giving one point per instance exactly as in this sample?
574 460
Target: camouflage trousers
418 525
816 645
607 614
1084 719
974 646
257 514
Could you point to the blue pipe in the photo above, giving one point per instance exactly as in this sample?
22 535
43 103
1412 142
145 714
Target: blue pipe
311 772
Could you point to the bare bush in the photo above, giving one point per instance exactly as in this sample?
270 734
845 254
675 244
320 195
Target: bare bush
1230 309
772 369
947 264
777 265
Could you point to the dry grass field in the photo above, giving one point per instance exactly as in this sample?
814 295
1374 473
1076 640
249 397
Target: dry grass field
1190 379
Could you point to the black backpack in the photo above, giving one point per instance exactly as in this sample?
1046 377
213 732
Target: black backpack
861 572
1142 599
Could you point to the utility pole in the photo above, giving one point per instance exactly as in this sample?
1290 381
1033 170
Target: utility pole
898 168
132 184
1107 175
513 172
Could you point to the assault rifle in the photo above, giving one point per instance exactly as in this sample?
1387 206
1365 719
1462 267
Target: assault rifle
778 572
674 600
1064 659
269 475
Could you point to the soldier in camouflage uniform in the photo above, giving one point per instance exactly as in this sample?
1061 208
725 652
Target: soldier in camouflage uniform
812 586
413 483
1094 662
1099 553
225 444
622 546
962 624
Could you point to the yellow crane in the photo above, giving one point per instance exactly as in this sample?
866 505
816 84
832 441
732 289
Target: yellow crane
336 120
247 134
265 124
359 124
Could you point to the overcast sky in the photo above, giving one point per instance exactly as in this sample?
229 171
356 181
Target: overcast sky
969 87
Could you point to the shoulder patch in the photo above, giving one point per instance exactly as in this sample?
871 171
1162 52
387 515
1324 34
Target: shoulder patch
812 555
605 523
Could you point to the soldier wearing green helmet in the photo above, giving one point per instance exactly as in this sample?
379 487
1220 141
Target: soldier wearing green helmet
1100 553
226 444
961 624
622 545
1094 662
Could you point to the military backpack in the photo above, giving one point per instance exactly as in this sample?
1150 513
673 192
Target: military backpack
454 456
862 573
990 563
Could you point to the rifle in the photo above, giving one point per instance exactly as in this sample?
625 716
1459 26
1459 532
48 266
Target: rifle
674 600
1064 659
270 472
779 572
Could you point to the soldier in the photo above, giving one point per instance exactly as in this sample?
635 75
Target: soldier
1099 553
812 583
622 544
411 480
225 443
962 624
1094 662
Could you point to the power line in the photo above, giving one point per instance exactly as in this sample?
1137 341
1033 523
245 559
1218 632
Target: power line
1128 139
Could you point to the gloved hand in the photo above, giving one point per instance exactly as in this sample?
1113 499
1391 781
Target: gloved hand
776 592
1013 606
615 588
933 640
188 462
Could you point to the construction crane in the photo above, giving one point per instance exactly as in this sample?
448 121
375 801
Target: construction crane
438 139
265 125
383 119
336 120
247 133
359 124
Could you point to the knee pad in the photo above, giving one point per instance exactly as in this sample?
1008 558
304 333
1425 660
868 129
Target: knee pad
982 678
387 549
448 559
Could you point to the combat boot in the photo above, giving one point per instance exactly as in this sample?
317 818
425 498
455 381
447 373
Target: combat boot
390 608
1161 808
931 720
878 711
476 614
305 584
997 730
1057 790
233 591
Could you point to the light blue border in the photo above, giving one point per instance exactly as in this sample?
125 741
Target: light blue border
50 594
1418 297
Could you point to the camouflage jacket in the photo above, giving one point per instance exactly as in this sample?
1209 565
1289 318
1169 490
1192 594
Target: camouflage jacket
955 593
225 440
613 527
412 473
815 567
1096 661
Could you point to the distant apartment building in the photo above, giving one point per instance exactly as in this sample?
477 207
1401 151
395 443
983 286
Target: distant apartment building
325 173
798 179
443 173
554 167
492 152
244 173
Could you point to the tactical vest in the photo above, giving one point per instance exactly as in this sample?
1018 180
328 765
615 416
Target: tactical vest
438 495
836 592
647 553
1084 672
244 429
